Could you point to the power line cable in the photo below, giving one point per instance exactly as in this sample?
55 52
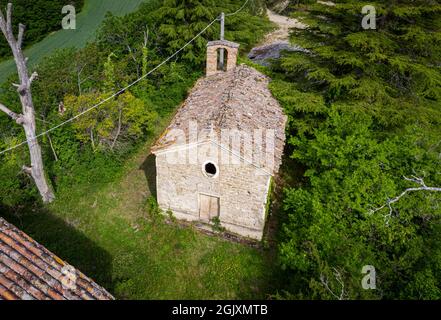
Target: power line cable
237 11
113 95
125 88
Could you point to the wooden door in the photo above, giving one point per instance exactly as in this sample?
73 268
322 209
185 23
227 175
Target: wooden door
208 207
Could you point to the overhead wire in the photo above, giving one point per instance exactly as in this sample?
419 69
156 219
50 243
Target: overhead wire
123 89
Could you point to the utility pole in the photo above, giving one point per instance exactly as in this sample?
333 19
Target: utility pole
222 37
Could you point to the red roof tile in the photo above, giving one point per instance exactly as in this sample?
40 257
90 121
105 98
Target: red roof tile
28 271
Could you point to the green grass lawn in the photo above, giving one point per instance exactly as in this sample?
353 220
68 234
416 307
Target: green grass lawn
103 229
88 21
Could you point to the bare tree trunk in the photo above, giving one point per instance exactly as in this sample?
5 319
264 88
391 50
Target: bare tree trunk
79 81
92 139
134 59
80 92
27 118
118 131
52 147
145 51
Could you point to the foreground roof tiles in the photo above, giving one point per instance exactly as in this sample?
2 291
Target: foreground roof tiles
28 271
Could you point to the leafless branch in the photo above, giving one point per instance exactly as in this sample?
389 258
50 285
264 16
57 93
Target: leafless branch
339 279
6 25
146 36
80 81
133 56
422 187
10 113
33 77
27 170
2 22
9 18
15 116
52 147
21 30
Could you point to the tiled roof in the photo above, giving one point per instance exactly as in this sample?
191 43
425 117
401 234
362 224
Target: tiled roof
238 99
28 271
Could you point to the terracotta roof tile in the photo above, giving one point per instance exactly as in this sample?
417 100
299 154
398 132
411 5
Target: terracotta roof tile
5 294
29 271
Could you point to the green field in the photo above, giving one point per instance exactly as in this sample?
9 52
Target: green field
88 21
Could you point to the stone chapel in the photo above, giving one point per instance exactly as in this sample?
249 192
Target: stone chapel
216 160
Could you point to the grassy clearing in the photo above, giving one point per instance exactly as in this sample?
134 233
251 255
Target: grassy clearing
88 21
104 230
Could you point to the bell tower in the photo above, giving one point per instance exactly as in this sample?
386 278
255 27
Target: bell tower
221 54
214 63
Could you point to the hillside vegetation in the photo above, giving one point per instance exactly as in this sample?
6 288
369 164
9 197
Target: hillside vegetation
88 21
364 111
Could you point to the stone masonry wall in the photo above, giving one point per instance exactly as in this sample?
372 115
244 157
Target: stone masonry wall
242 190
212 58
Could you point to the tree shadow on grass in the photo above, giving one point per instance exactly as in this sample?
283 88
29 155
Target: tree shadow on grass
149 168
64 240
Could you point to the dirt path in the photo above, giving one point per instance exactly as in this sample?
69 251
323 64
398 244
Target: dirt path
284 23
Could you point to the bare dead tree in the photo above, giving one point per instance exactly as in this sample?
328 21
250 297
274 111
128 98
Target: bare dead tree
390 202
118 130
339 279
146 36
133 51
80 81
27 117
144 50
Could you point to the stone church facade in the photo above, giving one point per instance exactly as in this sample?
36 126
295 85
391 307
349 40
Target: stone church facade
216 160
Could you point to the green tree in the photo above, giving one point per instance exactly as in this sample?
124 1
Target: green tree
387 71
331 222
180 21
364 112
122 118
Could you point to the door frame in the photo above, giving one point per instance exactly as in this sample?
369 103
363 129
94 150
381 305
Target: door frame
208 195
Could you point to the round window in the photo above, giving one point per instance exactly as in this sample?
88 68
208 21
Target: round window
210 169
